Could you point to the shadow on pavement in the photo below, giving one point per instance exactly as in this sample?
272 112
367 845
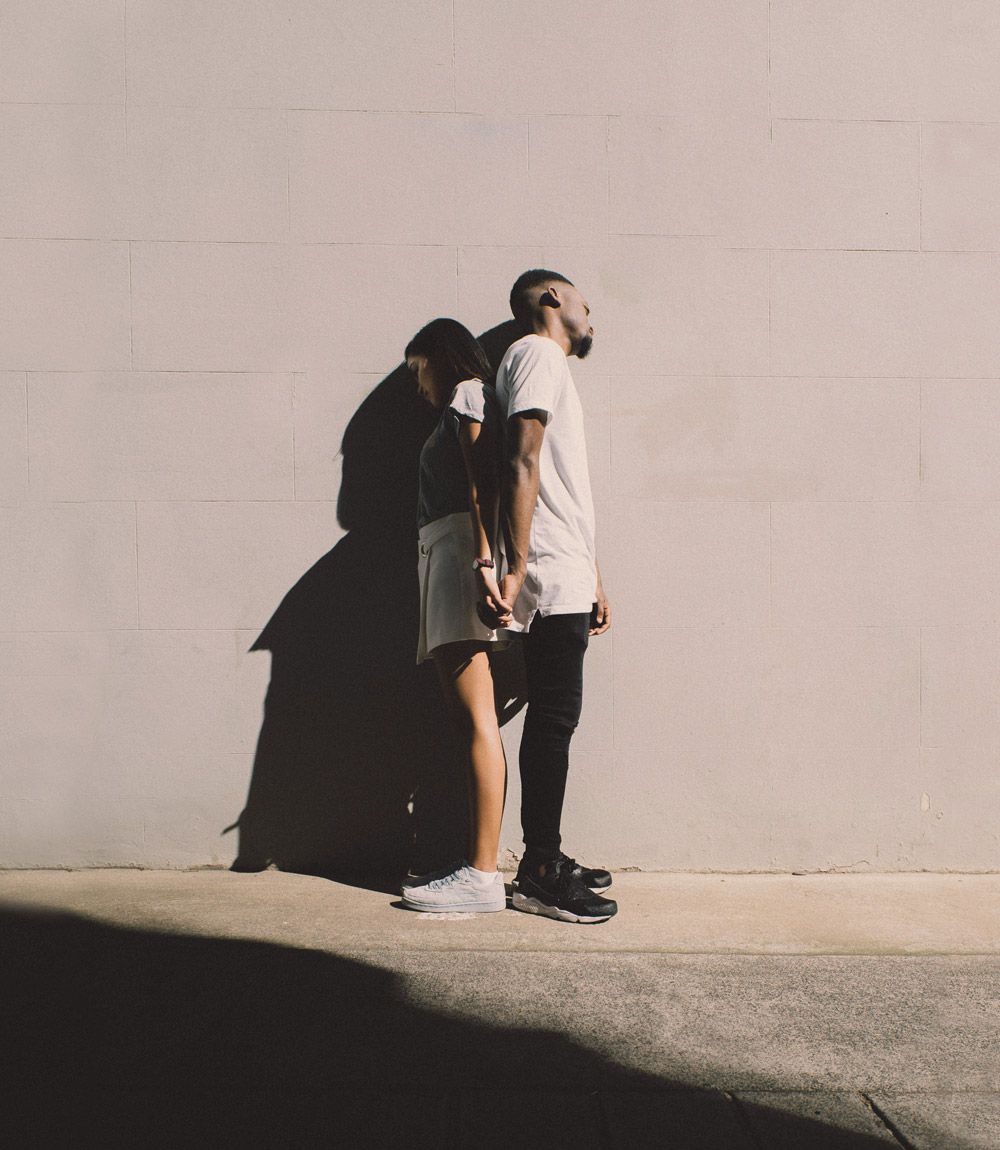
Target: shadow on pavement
125 1038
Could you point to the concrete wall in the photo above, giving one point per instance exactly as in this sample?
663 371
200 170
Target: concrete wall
222 221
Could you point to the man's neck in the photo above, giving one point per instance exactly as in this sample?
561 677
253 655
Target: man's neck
557 335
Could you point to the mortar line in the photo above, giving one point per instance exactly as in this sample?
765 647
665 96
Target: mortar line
920 629
454 62
295 380
527 146
920 696
611 495
634 374
863 120
770 560
920 436
770 368
131 335
888 1123
703 503
75 104
920 186
27 437
991 252
86 501
125 53
131 331
135 529
280 243
288 181
362 111
607 158
770 120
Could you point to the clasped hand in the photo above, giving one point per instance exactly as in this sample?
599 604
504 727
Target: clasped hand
494 607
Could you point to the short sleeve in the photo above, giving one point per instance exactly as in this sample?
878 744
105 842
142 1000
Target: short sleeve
469 401
536 377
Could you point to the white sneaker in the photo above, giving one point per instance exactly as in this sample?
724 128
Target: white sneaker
413 880
455 892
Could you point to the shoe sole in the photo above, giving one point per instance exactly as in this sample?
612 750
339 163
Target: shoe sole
597 885
457 907
536 906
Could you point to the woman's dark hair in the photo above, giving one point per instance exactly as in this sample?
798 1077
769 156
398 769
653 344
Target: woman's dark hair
453 350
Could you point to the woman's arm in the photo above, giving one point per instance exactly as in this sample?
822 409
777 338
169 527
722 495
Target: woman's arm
479 450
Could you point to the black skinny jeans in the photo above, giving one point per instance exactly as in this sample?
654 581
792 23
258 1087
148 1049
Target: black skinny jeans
554 647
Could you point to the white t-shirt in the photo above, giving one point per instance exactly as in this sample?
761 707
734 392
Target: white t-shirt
562 573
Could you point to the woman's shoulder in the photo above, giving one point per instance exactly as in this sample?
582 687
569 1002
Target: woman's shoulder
470 391
473 385
475 400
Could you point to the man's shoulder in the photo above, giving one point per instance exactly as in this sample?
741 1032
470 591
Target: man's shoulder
533 349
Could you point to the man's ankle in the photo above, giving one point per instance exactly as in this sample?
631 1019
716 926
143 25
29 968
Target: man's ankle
538 860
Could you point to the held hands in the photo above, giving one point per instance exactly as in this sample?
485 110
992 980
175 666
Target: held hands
510 588
496 603
600 616
493 608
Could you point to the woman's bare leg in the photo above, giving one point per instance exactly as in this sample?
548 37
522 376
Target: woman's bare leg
464 671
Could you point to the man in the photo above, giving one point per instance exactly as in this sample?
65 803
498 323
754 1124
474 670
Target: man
552 590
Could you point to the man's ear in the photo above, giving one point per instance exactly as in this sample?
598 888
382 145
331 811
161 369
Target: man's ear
550 297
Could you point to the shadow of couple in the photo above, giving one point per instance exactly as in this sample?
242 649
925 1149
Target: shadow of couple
354 776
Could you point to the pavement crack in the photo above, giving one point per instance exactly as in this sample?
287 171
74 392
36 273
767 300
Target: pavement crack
602 1123
743 1119
887 1122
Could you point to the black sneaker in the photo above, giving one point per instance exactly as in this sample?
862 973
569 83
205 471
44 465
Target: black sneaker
560 894
594 877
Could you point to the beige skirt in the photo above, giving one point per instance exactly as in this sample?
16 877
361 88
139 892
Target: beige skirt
448 593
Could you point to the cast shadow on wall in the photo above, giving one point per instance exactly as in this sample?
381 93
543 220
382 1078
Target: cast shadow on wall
353 775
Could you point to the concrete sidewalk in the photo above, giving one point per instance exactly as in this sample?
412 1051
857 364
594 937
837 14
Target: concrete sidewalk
270 1010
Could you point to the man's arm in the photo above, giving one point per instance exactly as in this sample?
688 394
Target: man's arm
478 449
525 432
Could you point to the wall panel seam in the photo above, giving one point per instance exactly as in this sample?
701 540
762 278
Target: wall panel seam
27 438
135 528
920 186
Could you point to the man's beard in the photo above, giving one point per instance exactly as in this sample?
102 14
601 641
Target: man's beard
584 346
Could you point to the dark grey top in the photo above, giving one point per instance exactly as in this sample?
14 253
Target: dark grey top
444 482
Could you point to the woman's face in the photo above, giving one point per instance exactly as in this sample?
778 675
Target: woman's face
429 385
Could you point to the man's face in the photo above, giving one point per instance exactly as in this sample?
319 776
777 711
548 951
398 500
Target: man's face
576 319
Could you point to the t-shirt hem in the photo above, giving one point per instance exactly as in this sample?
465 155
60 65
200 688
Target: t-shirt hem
551 609
565 608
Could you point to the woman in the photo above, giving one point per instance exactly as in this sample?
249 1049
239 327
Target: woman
457 517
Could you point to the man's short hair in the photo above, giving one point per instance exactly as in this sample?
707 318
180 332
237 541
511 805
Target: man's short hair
520 293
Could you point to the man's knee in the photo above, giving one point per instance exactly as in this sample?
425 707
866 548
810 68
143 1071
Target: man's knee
552 719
